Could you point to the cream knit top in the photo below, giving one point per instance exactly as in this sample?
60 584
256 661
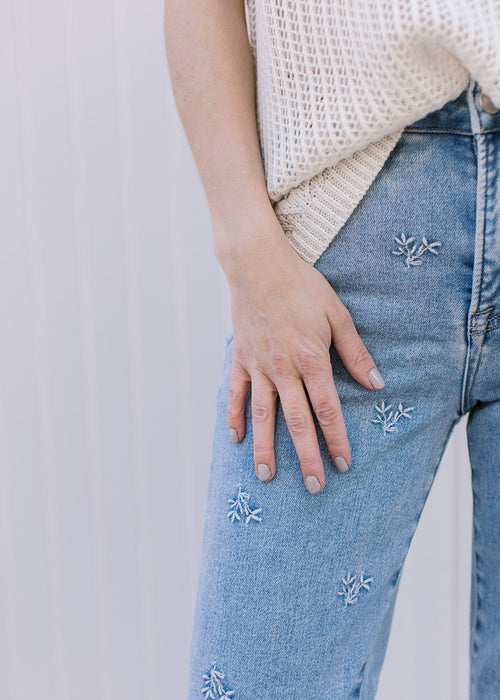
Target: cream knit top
336 83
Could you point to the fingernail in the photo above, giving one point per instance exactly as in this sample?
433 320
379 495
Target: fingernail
264 472
341 464
234 435
375 379
312 484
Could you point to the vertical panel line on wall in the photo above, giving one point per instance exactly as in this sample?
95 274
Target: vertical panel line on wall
181 330
81 227
135 346
38 307
7 602
7 571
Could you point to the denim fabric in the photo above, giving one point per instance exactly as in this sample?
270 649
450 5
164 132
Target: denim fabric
297 591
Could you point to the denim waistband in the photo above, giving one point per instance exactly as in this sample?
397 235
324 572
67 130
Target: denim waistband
466 114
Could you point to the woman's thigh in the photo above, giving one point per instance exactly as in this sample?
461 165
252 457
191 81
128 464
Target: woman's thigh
296 591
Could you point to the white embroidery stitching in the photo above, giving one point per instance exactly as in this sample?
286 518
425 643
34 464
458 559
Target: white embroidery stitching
413 254
389 420
239 507
351 588
213 687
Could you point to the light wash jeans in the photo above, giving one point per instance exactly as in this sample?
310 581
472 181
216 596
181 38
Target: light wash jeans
296 592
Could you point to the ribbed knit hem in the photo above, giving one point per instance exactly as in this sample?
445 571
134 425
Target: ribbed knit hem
312 213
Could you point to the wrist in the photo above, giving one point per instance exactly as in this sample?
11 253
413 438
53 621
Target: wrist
249 243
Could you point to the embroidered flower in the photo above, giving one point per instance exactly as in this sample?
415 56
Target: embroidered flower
213 687
388 419
414 253
352 587
240 508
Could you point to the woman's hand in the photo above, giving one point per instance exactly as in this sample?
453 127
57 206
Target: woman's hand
285 315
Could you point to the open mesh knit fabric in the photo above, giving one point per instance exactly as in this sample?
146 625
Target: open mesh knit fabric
336 83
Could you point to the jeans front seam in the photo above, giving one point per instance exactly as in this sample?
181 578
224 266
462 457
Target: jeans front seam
474 640
469 395
480 150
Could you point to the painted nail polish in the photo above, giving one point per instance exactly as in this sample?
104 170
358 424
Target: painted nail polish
264 472
375 379
312 484
341 464
234 435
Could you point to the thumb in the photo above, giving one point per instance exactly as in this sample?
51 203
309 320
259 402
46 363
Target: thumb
351 349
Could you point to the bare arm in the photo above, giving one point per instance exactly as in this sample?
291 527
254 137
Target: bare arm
285 313
212 75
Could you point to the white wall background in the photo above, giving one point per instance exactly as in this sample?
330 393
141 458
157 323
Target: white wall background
113 313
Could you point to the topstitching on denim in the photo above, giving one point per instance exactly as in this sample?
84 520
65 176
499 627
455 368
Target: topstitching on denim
441 130
462 116
482 307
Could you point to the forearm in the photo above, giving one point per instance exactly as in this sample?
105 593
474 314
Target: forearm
212 75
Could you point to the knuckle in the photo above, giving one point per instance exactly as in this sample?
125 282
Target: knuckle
359 355
232 416
308 465
238 388
261 453
233 394
297 422
327 414
343 318
338 445
309 360
280 363
260 412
